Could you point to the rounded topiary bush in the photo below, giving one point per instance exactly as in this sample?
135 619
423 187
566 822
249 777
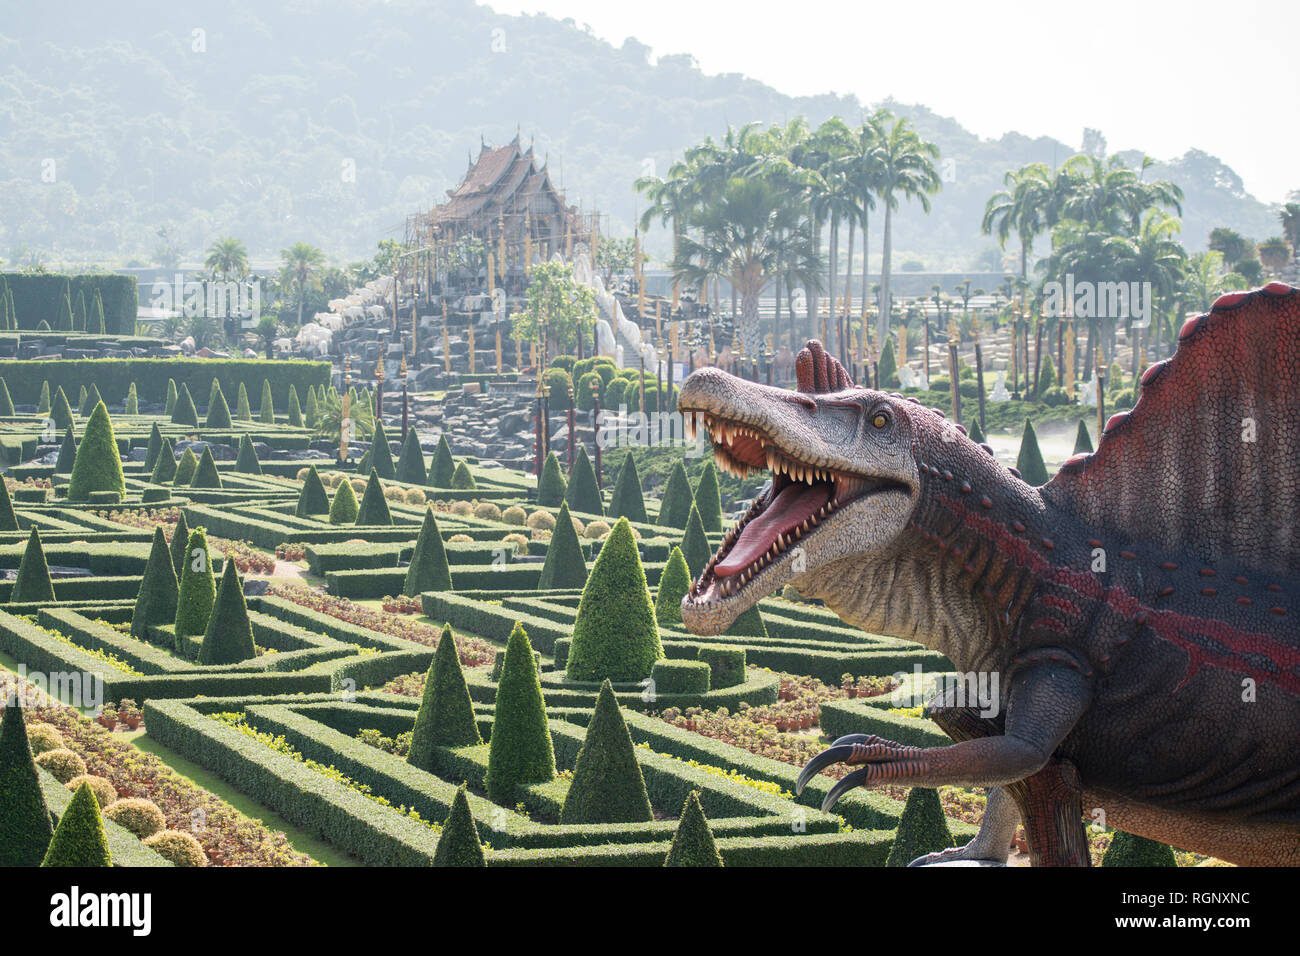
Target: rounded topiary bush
414 496
62 763
1127 849
519 541
487 511
541 521
177 847
461 539
358 484
44 737
302 474
394 493
104 791
461 508
514 515
596 530
141 817
1055 396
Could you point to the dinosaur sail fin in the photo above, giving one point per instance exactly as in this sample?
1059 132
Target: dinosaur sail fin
1208 461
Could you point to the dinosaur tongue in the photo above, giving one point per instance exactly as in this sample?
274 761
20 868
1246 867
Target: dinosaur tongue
795 504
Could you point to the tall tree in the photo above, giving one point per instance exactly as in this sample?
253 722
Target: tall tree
907 172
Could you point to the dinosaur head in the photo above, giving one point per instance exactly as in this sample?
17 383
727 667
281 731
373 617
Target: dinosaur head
844 479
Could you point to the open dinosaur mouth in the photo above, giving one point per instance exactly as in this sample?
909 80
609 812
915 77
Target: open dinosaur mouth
798 501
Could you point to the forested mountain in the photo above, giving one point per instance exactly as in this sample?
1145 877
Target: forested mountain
129 125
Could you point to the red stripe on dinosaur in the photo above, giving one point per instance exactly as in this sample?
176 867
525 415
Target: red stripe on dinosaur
1172 627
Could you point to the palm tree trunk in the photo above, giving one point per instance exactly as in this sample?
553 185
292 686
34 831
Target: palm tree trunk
845 358
749 321
834 264
866 272
882 321
302 294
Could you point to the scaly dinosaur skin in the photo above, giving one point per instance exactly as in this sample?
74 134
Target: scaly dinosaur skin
1138 610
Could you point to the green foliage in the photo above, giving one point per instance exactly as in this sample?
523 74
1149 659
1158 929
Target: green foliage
922 828
43 403
228 638
343 509
206 474
61 410
446 715
169 402
463 479
246 461
313 499
693 843
1127 849
156 602
558 303
180 541
295 409
153 448
8 518
674 582
266 407
33 584
89 400
458 844
444 466
566 564
976 433
164 466
681 677
1030 460
63 319
887 366
36 294
428 570
551 485
67 454
374 506
79 838
184 412
410 464
521 751
1046 376
6 403
607 785
1083 440
695 544
98 465
582 493
675 505
311 414
726 664
627 501
131 406
708 499
198 588
243 412
615 634
381 456
748 624
218 411
186 468
25 825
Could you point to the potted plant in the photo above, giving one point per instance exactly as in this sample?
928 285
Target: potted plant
129 713
107 717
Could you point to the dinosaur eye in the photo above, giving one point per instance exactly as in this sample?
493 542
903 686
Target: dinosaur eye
880 420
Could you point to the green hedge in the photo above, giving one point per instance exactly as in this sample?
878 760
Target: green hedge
37 298
680 677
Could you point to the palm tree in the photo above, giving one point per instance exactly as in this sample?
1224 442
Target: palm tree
906 171
1274 253
1022 207
865 165
227 257
301 261
1155 256
1289 216
671 201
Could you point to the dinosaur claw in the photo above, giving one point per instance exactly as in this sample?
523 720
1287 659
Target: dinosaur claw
842 786
820 762
854 739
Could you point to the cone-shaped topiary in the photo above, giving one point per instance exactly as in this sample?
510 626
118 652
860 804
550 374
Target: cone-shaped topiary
169 403
607 785
131 405
67 454
80 315
246 461
180 540
674 582
343 509
6 402
463 479
748 624
153 448
887 367
33 584
582 493
95 321
266 406
218 411
81 402
8 518
627 502
89 400
922 828
976 433
156 602
1127 849
458 844
63 320
243 413
61 410
79 838
695 544
1030 460
615 634
313 499
446 714
98 465
184 412
693 843
185 468
708 500
1046 377
206 474
566 564
521 751
444 466
198 588
43 403
295 409
381 456
228 638
1083 440
311 413
25 826
164 466
675 505
551 486
410 466
428 570
374 506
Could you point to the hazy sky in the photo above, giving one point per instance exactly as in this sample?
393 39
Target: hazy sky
1162 77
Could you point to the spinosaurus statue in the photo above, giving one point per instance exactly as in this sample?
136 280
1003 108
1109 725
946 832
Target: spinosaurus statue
1140 609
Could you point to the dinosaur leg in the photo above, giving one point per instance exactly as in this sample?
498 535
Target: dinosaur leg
993 842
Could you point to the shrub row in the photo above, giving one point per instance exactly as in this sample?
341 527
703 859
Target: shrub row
37 298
